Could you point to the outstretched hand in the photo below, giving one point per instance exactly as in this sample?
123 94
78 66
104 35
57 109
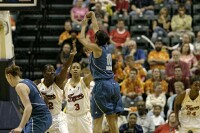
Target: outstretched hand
73 51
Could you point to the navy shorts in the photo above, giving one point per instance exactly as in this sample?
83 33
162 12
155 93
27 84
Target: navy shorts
38 124
106 98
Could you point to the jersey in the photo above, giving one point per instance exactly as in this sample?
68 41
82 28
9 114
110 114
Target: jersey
189 115
78 98
101 68
38 105
54 95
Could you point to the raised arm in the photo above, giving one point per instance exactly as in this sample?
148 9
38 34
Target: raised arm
95 26
60 78
84 41
23 92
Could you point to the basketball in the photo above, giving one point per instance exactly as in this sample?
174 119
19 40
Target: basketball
89 15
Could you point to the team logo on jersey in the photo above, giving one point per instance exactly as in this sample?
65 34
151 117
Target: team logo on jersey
73 98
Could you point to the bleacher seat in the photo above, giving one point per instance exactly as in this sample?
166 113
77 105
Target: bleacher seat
196 20
114 27
175 40
115 18
139 30
140 20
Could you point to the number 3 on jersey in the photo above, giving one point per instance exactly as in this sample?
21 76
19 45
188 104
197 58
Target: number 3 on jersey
77 107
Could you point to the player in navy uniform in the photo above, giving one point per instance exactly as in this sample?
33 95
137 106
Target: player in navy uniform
106 98
36 116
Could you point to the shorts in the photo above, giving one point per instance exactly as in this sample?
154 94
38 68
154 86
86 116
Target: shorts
59 124
38 124
80 124
106 98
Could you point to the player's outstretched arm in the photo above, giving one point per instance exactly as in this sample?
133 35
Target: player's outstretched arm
95 26
61 77
84 41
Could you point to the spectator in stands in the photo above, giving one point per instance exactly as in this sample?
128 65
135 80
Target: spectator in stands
155 78
143 119
130 63
161 25
131 126
101 14
132 89
122 7
175 61
157 58
90 33
178 76
186 38
142 7
170 127
196 70
187 56
181 23
84 4
179 88
197 46
157 118
156 98
65 35
77 13
131 49
74 39
62 56
119 36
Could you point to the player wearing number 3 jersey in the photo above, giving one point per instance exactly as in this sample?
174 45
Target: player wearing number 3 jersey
106 98
51 86
187 108
77 95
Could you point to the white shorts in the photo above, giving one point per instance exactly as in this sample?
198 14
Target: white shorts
80 124
185 130
59 124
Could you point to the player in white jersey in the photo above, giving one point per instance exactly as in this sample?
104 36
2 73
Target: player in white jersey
77 94
187 108
51 86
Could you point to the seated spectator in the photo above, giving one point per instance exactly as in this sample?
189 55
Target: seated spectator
84 4
181 23
170 127
157 98
179 88
62 56
157 58
119 36
131 49
130 63
178 76
142 7
65 35
131 126
90 33
157 118
196 70
77 13
132 89
186 38
101 14
187 56
161 25
122 7
155 78
175 61
197 46
143 119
